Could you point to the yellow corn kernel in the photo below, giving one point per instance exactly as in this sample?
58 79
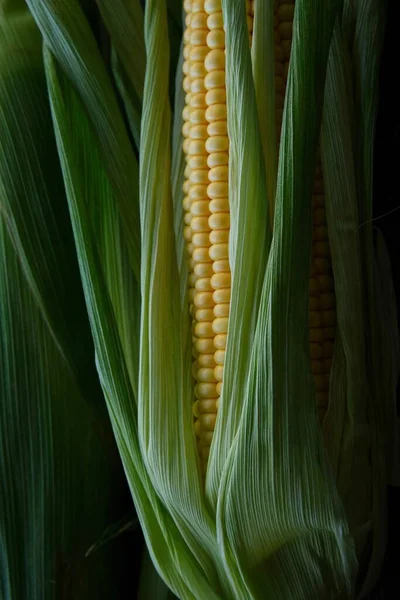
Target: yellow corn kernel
217 128
216 39
199 224
218 189
197 85
221 310
219 220
223 296
220 341
204 300
219 173
204 329
216 159
205 390
200 208
187 233
199 21
207 421
216 112
201 240
205 375
221 266
206 360
203 270
197 100
198 37
201 255
219 236
204 314
218 205
214 21
219 251
203 284
220 325
197 71
216 96
197 116
197 176
198 161
205 345
211 6
218 372
214 79
216 144
204 406
221 280
219 357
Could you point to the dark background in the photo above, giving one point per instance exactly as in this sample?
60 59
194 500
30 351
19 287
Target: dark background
387 215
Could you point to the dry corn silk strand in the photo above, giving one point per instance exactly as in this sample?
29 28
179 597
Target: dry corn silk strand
212 162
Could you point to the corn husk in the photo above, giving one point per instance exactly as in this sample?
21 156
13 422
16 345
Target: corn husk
57 457
276 511
124 21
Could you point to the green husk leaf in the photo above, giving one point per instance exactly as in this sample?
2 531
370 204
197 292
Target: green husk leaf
82 162
346 426
280 521
66 31
250 236
165 391
74 139
125 24
178 169
57 474
263 60
56 446
32 200
151 585
366 29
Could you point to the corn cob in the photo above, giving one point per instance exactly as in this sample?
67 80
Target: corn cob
250 18
324 332
206 206
196 207
217 146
